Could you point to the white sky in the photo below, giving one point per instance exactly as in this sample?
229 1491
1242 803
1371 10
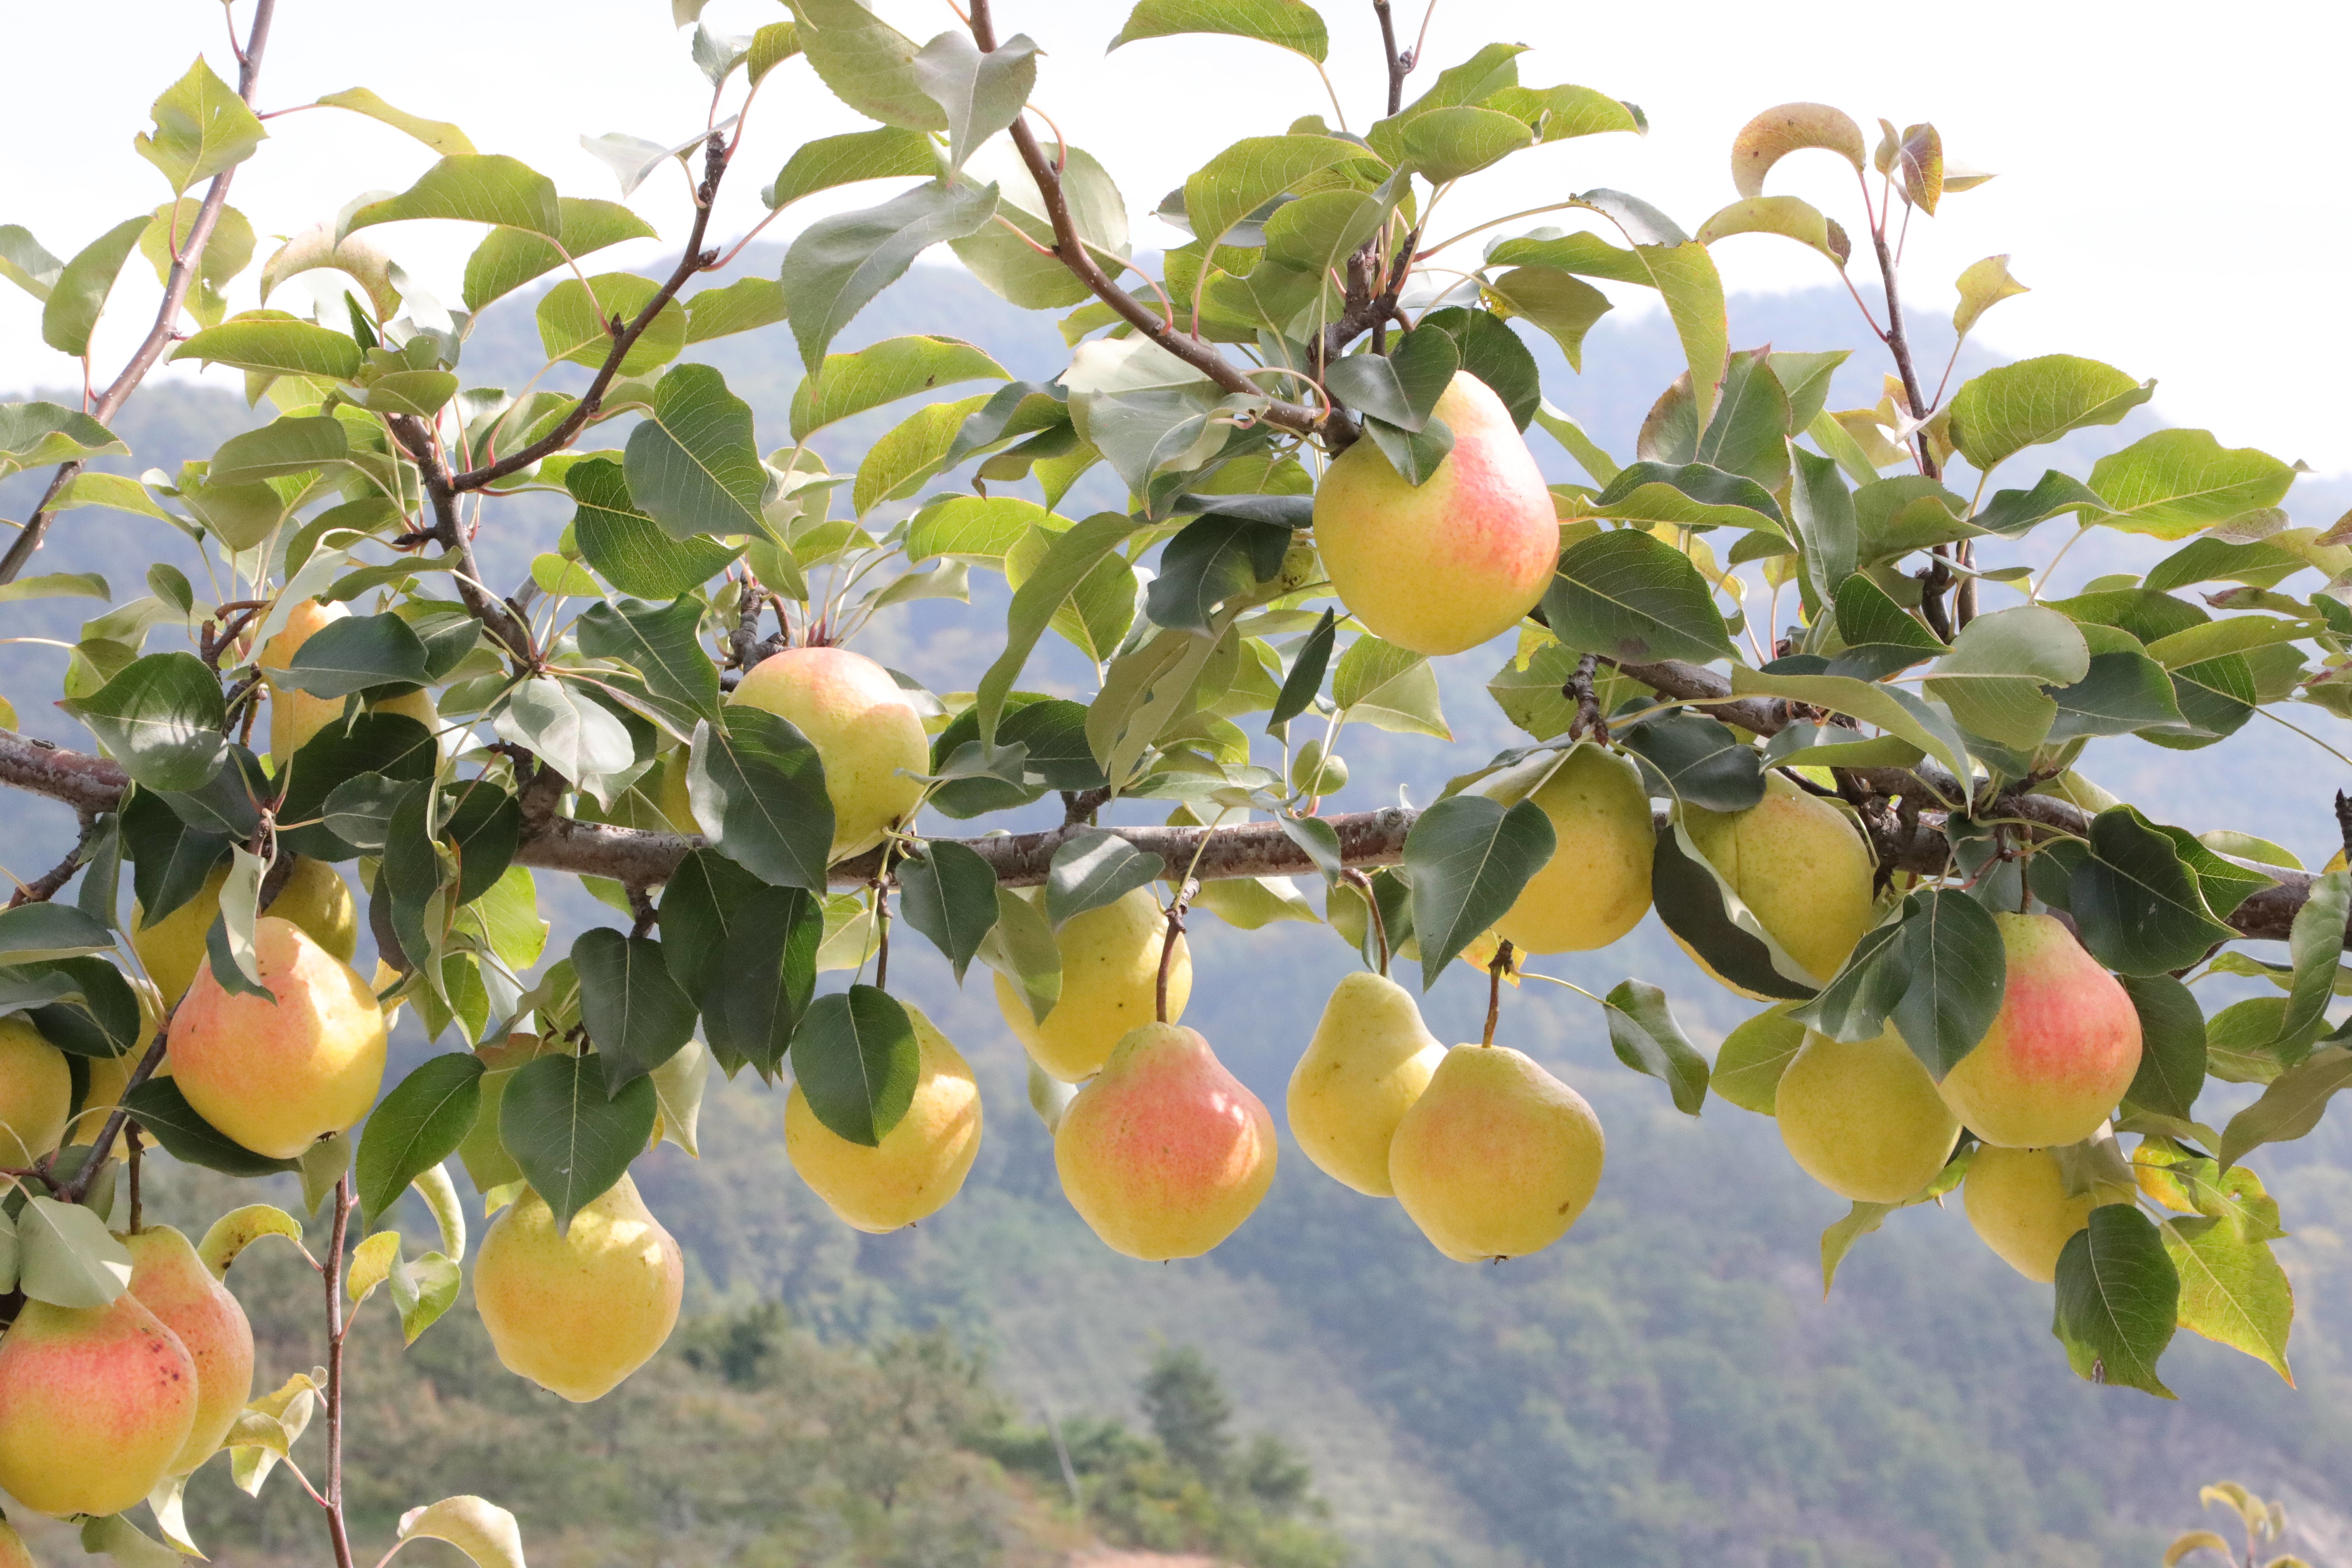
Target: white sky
2163 187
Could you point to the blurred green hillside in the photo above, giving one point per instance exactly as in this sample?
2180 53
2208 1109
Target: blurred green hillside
1665 1387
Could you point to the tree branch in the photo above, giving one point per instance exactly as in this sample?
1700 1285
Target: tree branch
177 283
1071 251
417 438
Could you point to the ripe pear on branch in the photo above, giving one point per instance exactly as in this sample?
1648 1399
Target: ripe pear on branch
1372 1057
294 715
314 897
1497 1158
97 1405
172 1282
867 734
1863 1118
1801 868
1110 977
278 1073
2061 1050
578 1312
920 1162
1596 886
2018 1205
35 1093
1456 561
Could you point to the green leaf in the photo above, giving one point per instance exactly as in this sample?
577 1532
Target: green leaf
1958 971
2137 900
1291 25
2315 946
472 187
1635 598
628 549
2118 1296
30 933
571 1139
1892 709
79 297
635 1012
201 127
1993 679
1389 687
1696 760
35 435
1643 1034
165 1115
2013 512
2172 1045
271 342
838 264
693 465
160 718
1557 113
857 1060
509 257
392 747
2000 413
1252 173
1214 560
1493 354
567 729
2175 483
948 891
438 134
981 94
1092 868
64 1257
910 453
1447 144
867 63
660 641
1304 680
575 323
2290 1107
290 445
759 794
1557 303
885 153
1861 1220
1469 857
1748 1064
354 654
2232 1291
417 1125
851 384
1068 561
742 306
25 262
1694 495
1789 217
981 530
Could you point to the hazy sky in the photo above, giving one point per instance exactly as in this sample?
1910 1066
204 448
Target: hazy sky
2162 186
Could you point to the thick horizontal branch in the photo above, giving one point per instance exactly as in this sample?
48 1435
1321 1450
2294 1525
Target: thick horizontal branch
1367 838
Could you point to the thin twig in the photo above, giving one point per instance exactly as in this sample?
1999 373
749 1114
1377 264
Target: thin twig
336 1329
45 886
1497 967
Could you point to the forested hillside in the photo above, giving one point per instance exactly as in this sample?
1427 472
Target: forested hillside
1666 1387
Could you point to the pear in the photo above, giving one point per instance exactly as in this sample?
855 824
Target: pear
1164 1153
1596 886
278 1076
96 1404
919 1164
1110 977
1369 1059
865 730
576 1313
315 898
108 1076
1863 1118
35 1093
2060 1052
1497 1158
2018 1206
13 1552
484 1155
1456 560
172 1282
1801 868
295 716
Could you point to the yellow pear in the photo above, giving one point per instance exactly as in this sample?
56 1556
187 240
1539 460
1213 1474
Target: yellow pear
2018 1203
295 716
13 1552
576 1313
1456 560
865 730
279 1076
919 1164
1369 1059
1111 976
484 1153
35 1093
315 898
1165 1153
1596 886
172 1282
2061 1050
96 1403
108 1076
1799 866
1863 1118
1497 1158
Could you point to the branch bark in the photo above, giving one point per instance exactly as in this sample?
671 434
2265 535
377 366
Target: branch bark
159 337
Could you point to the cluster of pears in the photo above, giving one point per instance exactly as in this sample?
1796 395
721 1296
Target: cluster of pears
100 1405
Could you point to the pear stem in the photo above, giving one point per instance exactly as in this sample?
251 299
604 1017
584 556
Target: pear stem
882 936
1499 966
1168 955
